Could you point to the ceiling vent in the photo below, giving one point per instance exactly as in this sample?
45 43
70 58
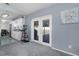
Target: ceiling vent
7 4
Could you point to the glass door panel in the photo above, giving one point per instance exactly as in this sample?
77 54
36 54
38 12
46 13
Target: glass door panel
36 30
46 28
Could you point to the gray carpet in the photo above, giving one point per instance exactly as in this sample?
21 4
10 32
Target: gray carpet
28 49
6 40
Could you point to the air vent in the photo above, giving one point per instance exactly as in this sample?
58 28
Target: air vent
7 4
22 16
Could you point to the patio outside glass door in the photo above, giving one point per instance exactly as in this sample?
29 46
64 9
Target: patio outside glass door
41 30
46 29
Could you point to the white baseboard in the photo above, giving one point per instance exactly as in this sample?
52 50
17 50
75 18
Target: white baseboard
58 49
40 43
64 51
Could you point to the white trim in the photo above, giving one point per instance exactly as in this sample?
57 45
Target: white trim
64 51
32 31
41 18
50 18
39 43
57 49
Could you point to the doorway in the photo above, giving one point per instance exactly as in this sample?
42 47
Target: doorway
41 30
10 29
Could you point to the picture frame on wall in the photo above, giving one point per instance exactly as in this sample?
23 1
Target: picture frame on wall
70 16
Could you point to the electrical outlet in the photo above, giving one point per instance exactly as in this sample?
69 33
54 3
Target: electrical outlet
70 46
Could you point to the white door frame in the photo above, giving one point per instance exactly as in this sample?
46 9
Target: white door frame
32 31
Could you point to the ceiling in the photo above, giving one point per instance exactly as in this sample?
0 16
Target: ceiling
18 9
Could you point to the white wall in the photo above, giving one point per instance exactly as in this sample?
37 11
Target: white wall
18 24
4 26
16 35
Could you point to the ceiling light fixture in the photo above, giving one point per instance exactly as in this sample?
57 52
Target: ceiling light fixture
4 20
4 15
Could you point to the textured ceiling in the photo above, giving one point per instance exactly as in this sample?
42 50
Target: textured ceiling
18 9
